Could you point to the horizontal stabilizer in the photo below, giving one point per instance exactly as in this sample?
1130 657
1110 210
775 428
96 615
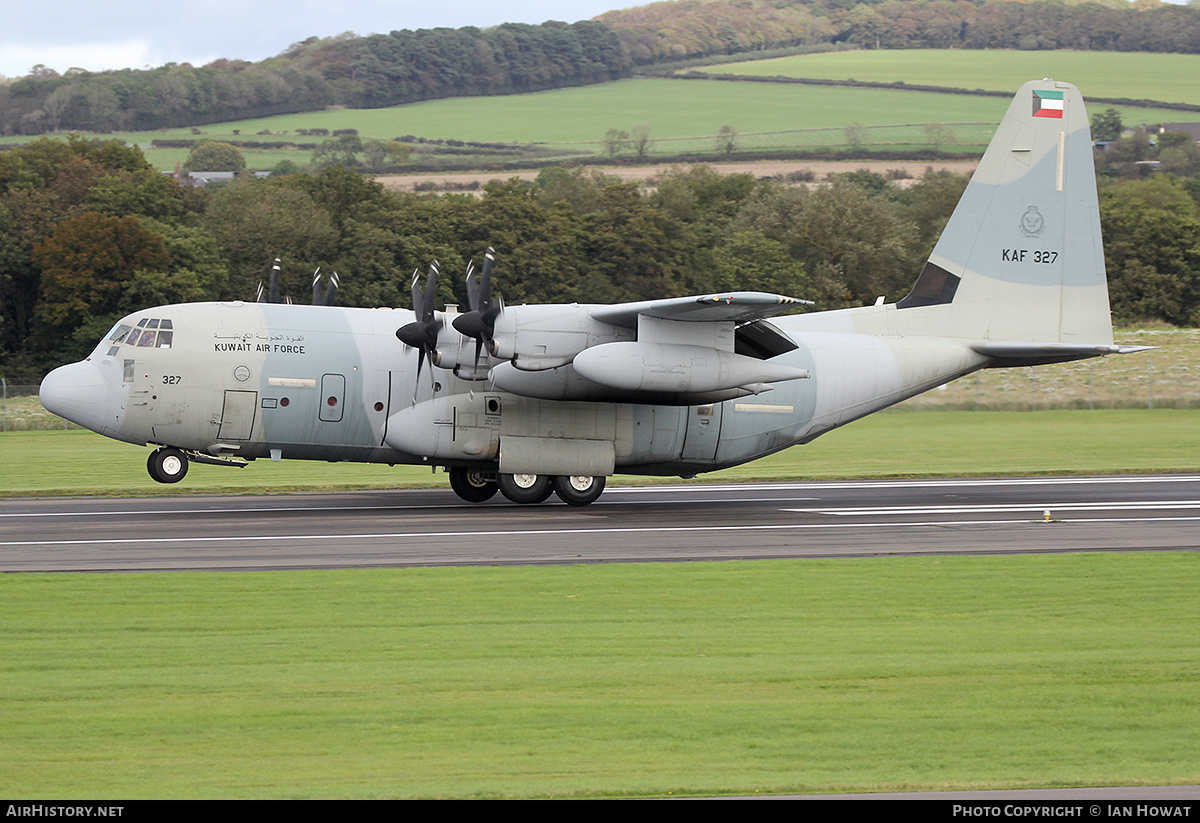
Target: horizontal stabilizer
1038 354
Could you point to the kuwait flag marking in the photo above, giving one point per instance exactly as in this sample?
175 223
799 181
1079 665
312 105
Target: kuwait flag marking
1047 103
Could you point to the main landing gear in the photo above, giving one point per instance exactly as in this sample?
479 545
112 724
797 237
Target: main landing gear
472 486
476 487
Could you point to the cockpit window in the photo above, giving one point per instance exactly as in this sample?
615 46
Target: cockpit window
145 334
120 332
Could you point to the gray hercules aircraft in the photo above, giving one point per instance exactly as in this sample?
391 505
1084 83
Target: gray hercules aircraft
536 399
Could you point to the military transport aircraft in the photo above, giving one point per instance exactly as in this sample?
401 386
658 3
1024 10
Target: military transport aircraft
538 399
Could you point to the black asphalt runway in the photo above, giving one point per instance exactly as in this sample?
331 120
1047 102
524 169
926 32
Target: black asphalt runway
662 523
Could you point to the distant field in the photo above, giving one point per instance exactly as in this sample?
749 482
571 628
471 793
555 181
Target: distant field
1171 78
683 115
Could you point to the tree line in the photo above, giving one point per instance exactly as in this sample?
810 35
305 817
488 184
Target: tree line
687 29
407 66
89 232
363 72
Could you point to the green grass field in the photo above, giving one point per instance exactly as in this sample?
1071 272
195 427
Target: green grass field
603 681
684 116
1172 78
893 444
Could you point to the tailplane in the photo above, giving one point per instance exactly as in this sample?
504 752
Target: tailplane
1021 261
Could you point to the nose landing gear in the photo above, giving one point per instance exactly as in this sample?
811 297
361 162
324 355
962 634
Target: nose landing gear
167 465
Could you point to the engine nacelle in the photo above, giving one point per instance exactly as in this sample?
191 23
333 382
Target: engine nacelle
534 338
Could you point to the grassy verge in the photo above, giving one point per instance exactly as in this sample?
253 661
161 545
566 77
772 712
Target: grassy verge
894 444
795 676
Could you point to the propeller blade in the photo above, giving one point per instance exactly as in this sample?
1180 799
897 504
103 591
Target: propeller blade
485 285
430 292
316 287
416 293
331 289
274 295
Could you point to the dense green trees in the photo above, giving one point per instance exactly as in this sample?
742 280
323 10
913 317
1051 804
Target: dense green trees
77 220
89 232
86 266
1152 249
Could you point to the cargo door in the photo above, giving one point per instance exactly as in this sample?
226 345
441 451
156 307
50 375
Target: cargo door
237 415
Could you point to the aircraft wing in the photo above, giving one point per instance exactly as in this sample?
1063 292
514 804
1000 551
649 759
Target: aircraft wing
737 307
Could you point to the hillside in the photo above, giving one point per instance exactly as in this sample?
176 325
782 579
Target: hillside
408 66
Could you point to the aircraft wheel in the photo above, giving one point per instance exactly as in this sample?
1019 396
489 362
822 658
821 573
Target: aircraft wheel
472 486
167 465
525 488
578 489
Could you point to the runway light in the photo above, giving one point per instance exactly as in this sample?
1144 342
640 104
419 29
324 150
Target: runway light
1046 516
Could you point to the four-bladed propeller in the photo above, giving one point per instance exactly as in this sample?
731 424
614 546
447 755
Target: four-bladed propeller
271 294
480 322
422 333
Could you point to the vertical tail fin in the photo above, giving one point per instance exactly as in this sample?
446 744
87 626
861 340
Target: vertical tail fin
1021 258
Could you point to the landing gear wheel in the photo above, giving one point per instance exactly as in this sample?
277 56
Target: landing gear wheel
525 488
578 489
167 465
472 486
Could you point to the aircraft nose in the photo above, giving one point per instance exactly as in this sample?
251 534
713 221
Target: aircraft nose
79 393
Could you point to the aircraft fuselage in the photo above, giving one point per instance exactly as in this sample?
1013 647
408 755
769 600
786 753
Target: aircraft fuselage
256 380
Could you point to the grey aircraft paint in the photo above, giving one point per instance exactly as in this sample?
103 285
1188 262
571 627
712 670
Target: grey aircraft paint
576 393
